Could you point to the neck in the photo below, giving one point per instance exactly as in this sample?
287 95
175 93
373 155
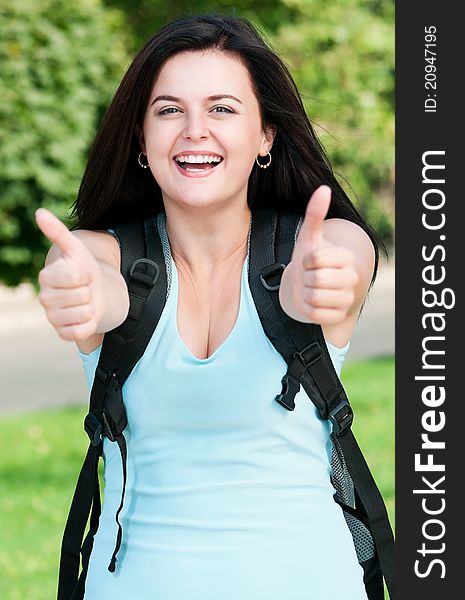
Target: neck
207 243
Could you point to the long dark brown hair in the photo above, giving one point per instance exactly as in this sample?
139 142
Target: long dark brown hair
115 189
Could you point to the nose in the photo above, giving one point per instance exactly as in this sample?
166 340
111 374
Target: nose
196 128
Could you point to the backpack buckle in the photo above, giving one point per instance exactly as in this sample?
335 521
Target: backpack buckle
107 431
341 417
291 386
272 272
97 428
144 278
93 428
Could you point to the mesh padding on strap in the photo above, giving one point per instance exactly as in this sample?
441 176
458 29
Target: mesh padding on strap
363 542
340 477
342 483
161 225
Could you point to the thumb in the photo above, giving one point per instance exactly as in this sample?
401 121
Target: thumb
57 232
317 209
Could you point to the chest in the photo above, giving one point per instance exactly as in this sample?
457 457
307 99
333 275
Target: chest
207 309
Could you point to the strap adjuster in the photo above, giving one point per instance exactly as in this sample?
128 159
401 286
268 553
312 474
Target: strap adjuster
309 354
271 272
341 417
103 375
144 278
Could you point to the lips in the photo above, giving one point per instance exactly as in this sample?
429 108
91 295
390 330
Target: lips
197 161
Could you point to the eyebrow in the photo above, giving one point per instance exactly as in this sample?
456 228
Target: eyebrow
210 98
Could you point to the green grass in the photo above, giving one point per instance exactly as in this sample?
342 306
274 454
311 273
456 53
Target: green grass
41 454
370 388
39 463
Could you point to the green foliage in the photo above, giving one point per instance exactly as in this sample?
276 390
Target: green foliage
60 64
41 454
147 16
341 54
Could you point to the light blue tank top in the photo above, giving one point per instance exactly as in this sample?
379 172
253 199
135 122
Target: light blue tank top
228 494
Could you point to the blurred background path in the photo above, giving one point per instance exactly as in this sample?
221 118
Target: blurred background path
40 370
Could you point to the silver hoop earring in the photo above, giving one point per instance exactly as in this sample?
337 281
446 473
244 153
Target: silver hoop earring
266 165
142 165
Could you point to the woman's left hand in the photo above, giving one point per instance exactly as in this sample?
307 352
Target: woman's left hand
319 284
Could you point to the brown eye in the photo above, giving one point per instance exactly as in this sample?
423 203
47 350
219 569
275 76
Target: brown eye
171 110
222 110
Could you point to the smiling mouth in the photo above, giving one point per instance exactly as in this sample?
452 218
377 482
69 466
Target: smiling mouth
198 163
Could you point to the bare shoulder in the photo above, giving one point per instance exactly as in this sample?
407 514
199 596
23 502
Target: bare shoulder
103 246
347 234
351 236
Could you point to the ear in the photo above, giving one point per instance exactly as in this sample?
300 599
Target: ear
268 139
140 137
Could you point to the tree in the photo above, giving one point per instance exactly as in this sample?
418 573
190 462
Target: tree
341 54
60 64
145 17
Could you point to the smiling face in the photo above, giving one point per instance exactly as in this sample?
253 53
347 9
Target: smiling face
202 130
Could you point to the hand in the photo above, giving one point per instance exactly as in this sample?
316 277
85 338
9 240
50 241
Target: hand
318 284
71 286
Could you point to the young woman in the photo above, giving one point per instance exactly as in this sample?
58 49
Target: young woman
228 494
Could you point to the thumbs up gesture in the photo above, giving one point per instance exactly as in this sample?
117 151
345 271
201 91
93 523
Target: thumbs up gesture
71 286
318 285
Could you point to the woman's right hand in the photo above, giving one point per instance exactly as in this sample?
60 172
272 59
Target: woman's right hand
71 287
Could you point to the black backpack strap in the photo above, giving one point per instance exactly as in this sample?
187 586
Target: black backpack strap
304 349
143 267
302 345
76 524
371 504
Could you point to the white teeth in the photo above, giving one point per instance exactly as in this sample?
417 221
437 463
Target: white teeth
199 159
